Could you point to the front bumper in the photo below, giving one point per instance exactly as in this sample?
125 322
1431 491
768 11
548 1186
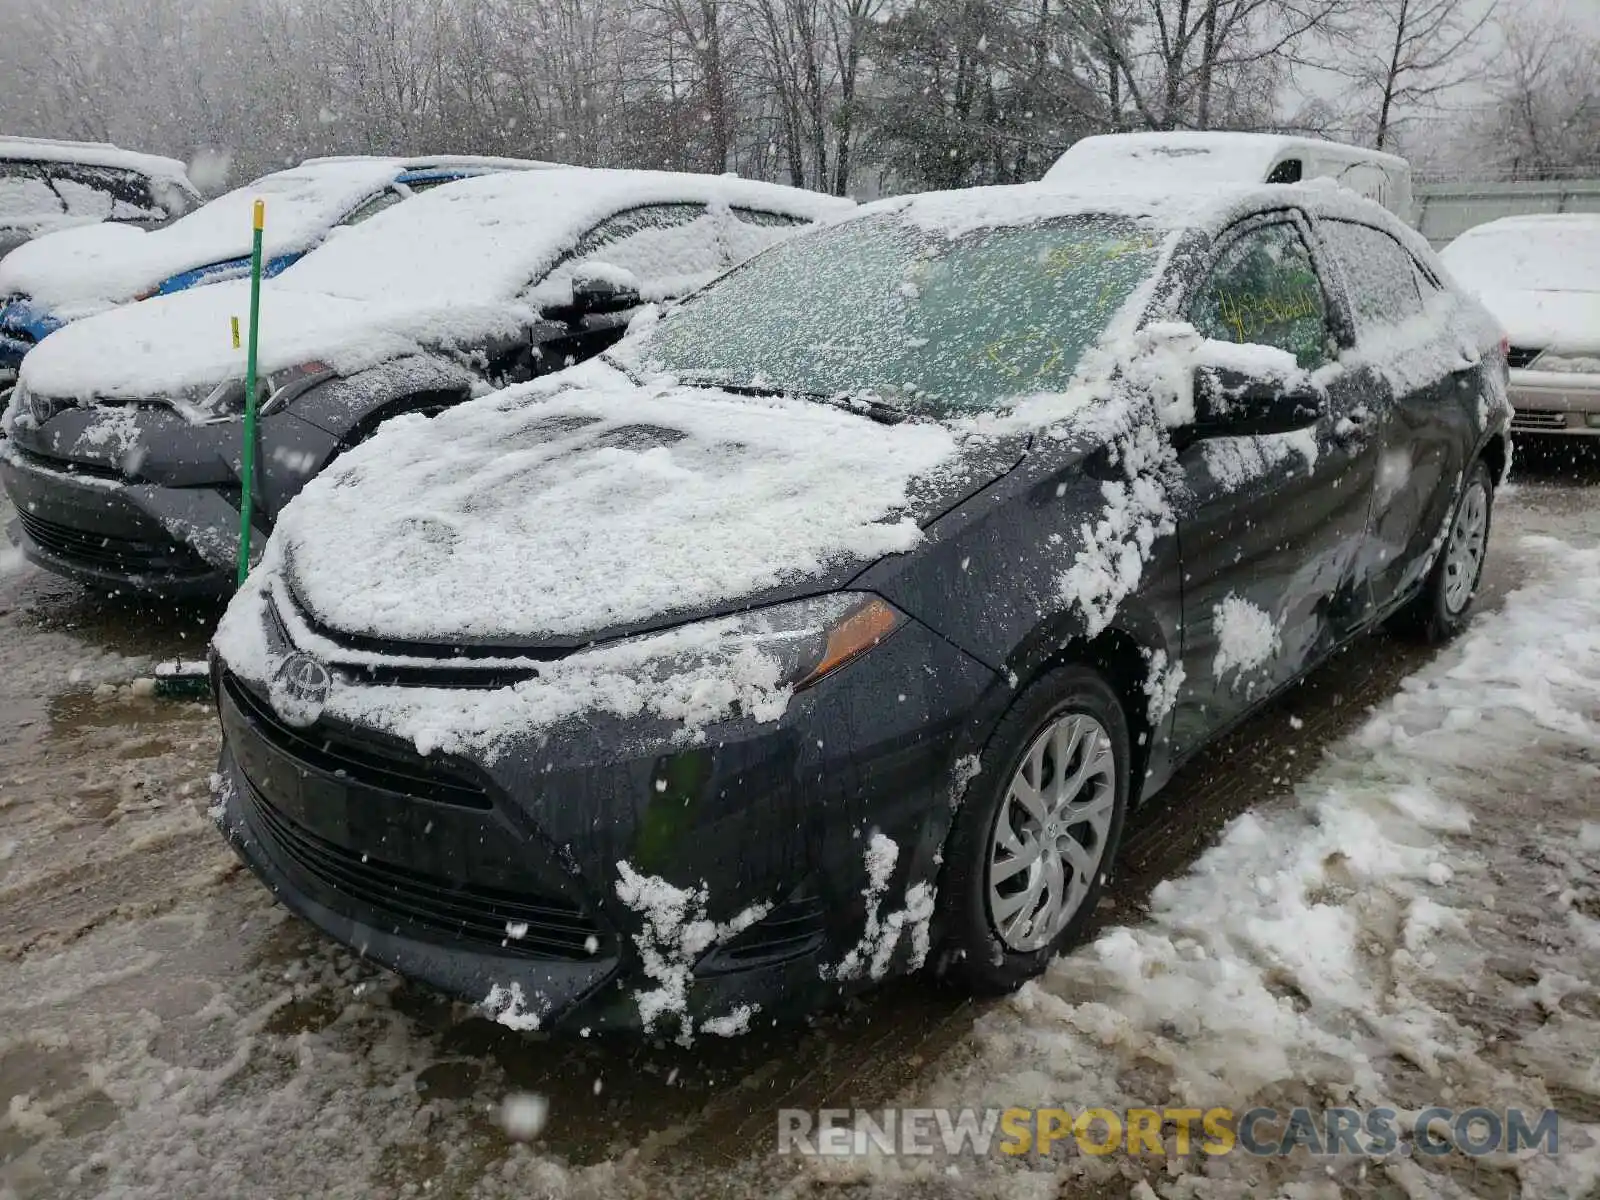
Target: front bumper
425 863
1548 402
112 534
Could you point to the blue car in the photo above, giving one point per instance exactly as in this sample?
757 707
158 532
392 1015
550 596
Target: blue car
79 272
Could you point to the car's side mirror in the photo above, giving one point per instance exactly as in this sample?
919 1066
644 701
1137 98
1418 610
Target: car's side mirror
602 288
1231 403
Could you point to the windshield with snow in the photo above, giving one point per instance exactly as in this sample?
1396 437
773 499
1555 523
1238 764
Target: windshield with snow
931 324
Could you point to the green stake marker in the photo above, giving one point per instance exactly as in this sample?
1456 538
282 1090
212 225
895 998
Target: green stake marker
248 459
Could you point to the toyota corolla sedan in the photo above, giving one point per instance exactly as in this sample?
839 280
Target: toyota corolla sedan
75 273
831 623
121 447
1540 275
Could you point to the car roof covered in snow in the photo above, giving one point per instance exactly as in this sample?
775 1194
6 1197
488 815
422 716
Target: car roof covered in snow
1195 157
429 162
94 154
487 239
80 271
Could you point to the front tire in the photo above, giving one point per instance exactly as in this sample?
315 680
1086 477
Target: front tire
1440 610
1029 853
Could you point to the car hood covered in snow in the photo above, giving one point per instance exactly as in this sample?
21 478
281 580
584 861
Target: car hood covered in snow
584 506
172 345
78 272
1537 320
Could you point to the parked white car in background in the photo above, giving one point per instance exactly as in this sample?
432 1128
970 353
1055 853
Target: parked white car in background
1191 159
1540 275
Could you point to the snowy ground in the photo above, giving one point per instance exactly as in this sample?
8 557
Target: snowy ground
1404 908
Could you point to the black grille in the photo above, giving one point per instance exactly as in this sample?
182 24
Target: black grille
1538 418
390 766
1521 356
426 904
94 549
792 929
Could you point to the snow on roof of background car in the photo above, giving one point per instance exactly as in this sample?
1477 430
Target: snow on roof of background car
423 162
95 154
1159 158
1207 207
443 267
80 271
487 239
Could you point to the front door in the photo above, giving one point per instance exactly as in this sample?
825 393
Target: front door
1272 527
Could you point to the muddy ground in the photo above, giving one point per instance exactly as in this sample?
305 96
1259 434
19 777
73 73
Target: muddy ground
167 1030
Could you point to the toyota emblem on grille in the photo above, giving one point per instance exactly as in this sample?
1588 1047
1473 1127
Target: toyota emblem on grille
300 690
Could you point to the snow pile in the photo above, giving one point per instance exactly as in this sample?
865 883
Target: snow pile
574 505
675 934
1247 636
881 934
1361 947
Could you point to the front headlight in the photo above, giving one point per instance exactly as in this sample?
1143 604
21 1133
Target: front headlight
272 391
1567 362
811 639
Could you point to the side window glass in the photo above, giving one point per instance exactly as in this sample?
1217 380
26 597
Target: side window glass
752 230
1288 171
1380 273
25 195
625 225
1264 289
755 216
371 208
669 248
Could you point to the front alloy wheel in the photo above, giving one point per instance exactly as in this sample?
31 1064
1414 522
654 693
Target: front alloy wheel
1037 831
1050 833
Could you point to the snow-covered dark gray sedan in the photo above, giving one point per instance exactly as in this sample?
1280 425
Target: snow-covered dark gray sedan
830 624
121 445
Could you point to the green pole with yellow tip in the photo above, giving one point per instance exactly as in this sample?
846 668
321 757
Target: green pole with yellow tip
247 471
180 679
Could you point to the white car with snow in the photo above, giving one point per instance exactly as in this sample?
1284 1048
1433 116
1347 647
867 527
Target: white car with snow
122 444
1540 275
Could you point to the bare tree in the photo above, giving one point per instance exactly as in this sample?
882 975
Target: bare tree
1406 54
1544 120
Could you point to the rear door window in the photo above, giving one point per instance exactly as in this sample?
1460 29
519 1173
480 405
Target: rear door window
1379 273
1264 289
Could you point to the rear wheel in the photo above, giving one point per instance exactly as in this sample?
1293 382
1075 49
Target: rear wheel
1440 610
1032 845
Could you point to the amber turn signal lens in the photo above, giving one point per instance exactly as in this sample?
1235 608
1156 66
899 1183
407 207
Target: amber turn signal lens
854 635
